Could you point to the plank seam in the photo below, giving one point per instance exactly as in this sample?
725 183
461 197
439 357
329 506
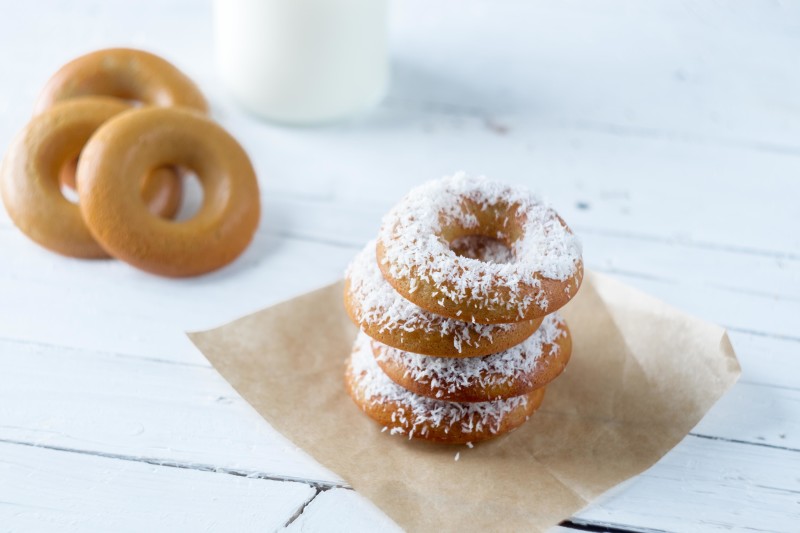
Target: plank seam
619 130
302 508
604 128
94 352
605 527
757 333
729 248
703 245
745 442
744 250
317 484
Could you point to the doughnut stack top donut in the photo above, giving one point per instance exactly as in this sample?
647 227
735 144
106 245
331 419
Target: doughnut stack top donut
455 301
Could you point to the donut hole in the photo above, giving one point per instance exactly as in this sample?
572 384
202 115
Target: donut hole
193 196
482 248
66 180
134 102
483 232
161 190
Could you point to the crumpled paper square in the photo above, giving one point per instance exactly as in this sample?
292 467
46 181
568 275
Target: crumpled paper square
642 374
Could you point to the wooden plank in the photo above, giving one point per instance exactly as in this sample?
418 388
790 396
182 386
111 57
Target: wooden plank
757 414
743 311
164 413
737 487
45 490
767 360
109 306
741 489
643 187
693 69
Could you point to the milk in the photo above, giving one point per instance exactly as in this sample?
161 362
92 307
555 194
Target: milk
303 61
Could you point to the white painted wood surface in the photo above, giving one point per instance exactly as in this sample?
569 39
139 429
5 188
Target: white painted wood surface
666 133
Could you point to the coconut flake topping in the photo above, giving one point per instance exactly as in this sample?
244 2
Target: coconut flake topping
377 303
376 387
455 374
413 248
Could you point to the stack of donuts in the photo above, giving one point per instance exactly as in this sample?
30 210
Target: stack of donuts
455 302
121 128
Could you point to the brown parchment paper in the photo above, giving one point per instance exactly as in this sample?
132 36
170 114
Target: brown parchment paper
641 376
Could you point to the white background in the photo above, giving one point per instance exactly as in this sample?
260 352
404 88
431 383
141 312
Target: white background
666 133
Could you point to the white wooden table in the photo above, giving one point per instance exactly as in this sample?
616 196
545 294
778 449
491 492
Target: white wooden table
667 134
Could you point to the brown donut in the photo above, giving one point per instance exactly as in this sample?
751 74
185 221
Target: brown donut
132 75
402 412
140 140
29 179
162 189
383 314
416 258
516 371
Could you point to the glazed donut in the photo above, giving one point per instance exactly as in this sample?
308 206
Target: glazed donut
29 179
514 372
384 315
140 140
162 189
415 256
402 412
132 75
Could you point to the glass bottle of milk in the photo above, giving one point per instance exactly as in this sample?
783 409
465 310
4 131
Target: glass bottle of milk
303 61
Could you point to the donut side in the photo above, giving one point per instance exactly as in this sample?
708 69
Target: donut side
29 181
124 73
431 296
402 412
514 372
385 315
415 255
216 235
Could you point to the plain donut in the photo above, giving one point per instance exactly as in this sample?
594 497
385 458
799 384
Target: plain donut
125 73
29 179
140 140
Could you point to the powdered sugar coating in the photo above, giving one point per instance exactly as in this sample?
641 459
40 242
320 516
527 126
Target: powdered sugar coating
379 304
414 249
417 413
454 375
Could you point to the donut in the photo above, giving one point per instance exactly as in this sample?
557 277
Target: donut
415 257
514 372
29 178
380 312
125 73
402 412
162 189
140 140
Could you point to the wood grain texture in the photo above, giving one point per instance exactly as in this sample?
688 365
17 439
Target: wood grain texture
732 468
667 134
46 490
